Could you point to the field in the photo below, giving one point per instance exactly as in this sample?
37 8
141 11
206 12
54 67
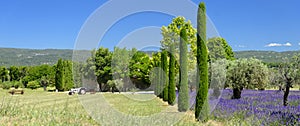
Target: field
37 107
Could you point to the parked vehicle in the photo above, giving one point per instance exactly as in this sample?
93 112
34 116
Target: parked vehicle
80 91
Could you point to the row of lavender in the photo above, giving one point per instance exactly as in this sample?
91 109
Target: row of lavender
263 107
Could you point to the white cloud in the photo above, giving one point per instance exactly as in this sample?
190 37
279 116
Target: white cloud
278 44
287 44
299 43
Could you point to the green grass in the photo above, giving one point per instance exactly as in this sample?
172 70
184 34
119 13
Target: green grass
37 107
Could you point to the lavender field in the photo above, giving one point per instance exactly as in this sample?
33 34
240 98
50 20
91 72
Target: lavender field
257 107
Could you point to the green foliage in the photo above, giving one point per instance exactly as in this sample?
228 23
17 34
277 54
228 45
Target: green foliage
103 59
78 74
59 76
6 85
33 85
164 75
139 69
201 109
218 75
247 73
219 49
171 35
68 75
155 77
17 84
183 98
120 66
170 89
289 72
115 85
4 74
14 73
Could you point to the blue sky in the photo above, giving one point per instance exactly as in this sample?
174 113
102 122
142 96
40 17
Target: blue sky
246 25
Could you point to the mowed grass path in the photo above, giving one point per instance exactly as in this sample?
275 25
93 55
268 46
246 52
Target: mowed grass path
37 107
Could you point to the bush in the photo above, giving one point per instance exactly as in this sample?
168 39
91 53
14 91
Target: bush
6 85
33 85
17 84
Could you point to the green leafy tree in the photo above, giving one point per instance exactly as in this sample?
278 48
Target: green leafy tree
4 74
139 67
120 67
219 49
103 59
44 82
183 98
78 73
14 73
202 107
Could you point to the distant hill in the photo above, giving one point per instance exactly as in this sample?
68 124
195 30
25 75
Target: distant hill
32 57
266 56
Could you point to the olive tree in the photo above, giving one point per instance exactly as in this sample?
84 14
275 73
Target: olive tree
247 73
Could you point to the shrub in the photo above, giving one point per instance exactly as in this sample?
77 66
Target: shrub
6 85
33 85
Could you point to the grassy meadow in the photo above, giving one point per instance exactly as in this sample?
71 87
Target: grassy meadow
37 107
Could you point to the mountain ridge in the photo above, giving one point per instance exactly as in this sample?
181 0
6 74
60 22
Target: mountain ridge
33 57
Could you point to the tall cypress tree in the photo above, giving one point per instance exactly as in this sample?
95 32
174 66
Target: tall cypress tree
59 76
183 98
68 75
164 83
202 107
171 86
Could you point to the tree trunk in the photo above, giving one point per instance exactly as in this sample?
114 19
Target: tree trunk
237 93
286 93
216 92
45 88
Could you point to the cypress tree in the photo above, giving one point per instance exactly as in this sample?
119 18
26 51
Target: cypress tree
68 74
164 61
183 98
59 76
158 78
202 106
171 86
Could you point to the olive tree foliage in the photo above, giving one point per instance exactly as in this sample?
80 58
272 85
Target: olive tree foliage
289 72
275 78
217 75
120 68
247 73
